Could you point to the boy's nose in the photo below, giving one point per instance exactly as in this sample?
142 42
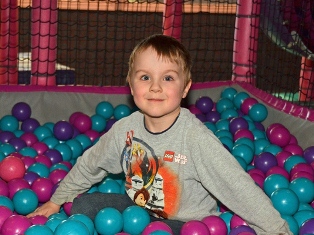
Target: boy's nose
155 87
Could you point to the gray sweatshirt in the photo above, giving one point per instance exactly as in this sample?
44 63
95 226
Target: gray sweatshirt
185 170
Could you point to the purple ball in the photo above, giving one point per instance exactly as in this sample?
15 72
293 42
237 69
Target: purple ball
63 130
308 154
241 229
205 104
264 161
194 227
307 227
238 123
30 177
201 117
213 116
29 125
54 155
21 111
17 143
5 136
110 122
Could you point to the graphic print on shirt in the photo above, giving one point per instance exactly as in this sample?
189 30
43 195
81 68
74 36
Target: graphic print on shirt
149 182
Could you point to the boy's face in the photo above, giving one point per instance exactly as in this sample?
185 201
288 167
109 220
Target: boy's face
157 85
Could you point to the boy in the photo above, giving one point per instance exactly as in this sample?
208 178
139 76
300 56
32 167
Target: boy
166 153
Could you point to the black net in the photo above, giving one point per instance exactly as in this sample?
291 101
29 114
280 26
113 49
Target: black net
89 42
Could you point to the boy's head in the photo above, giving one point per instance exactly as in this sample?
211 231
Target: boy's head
167 48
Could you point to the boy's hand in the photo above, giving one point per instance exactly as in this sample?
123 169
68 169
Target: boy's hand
46 209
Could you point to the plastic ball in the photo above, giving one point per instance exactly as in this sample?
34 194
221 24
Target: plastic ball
205 104
28 161
285 201
229 93
64 150
303 188
109 186
43 189
21 111
7 149
7 202
216 225
42 132
279 135
4 189
302 216
302 167
135 219
53 223
54 155
9 123
264 161
302 174
223 104
11 168
241 229
307 227
239 98
30 125
213 116
76 148
50 141
292 161
38 219
17 143
258 112
82 123
293 224
156 226
259 145
40 148
38 229
247 104
57 175
274 182
98 123
85 220
43 159
6 136
237 123
308 154
63 130
5 213
25 201
194 227
281 157
243 133
278 170
84 140
104 109
192 108
201 117
15 225
121 111
243 151
108 221
294 149
40 169
227 216
16 185
229 113
28 151
71 227
93 135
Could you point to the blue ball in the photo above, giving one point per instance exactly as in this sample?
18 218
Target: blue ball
229 113
293 160
50 141
76 147
304 189
105 109
38 229
98 123
40 169
108 221
229 93
84 140
68 227
244 151
28 151
25 201
223 104
7 149
302 216
239 98
274 182
285 201
293 224
109 186
135 219
258 112
9 123
42 132
53 223
86 220
65 151
5 201
121 111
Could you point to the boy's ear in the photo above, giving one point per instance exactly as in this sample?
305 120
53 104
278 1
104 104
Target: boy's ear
186 89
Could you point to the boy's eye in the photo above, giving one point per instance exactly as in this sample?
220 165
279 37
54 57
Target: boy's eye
145 78
168 78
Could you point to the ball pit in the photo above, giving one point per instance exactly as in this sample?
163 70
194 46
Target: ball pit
47 152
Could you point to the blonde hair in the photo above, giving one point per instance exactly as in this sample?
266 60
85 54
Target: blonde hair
166 47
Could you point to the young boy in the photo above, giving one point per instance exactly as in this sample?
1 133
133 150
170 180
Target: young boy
174 166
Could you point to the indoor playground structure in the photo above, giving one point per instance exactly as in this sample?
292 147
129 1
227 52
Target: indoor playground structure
63 65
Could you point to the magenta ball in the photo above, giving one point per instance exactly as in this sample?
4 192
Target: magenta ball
44 160
29 138
28 161
278 170
205 104
38 219
155 226
83 123
15 225
43 189
237 221
308 154
63 130
57 175
40 147
247 104
302 167
74 116
67 208
194 227
193 109
243 133
282 157
279 135
11 168
294 149
264 161
16 185
92 135
216 225
4 188
21 111
5 213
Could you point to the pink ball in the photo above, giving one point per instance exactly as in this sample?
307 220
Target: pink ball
156 225
279 135
216 225
92 135
278 170
43 189
44 160
83 123
293 139
302 167
271 126
16 185
243 133
11 168
236 221
74 116
29 138
247 104
57 175
40 147
194 110
294 149
282 157
258 179
38 219
5 213
15 225
28 161
67 208
4 189
301 174
194 227
256 171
